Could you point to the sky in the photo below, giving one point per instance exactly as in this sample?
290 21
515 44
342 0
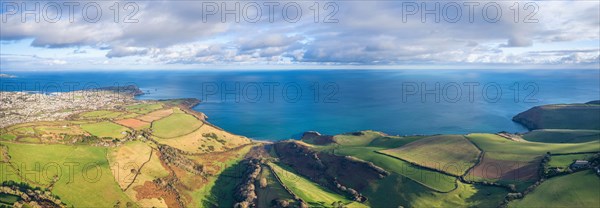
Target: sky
187 34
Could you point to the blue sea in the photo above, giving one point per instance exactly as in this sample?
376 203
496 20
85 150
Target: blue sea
279 104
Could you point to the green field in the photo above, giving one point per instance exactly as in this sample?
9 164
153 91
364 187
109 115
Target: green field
563 161
580 189
353 140
144 108
452 154
105 129
29 140
85 179
176 124
8 199
100 114
309 191
395 190
432 179
273 191
562 135
8 137
509 149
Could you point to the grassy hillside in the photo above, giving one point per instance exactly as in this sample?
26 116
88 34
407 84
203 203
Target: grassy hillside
84 176
394 191
580 189
562 116
563 161
495 143
512 162
452 154
272 191
307 190
105 129
562 135
176 124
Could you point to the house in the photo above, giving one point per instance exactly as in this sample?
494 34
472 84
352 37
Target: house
579 164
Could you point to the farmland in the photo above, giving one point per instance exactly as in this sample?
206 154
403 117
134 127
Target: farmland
513 162
311 192
105 129
575 190
563 161
162 154
176 124
451 153
83 172
562 135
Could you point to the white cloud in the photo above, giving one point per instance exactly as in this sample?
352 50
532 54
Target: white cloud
368 33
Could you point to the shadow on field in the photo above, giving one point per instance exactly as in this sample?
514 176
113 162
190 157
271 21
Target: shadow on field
222 193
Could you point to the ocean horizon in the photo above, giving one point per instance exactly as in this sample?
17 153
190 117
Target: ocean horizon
278 105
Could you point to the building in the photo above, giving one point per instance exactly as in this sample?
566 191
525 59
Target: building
579 164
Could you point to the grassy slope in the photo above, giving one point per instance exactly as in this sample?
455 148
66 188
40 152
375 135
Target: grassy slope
105 129
564 161
377 142
509 148
352 140
395 190
562 116
431 179
176 124
562 135
144 107
580 189
449 153
199 140
216 192
100 114
523 153
274 190
306 189
78 190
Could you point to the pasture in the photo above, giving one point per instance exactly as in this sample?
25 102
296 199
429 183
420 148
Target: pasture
562 135
206 139
153 116
84 176
581 189
309 191
144 108
563 161
105 129
175 125
100 114
273 191
394 191
452 154
136 156
509 148
133 123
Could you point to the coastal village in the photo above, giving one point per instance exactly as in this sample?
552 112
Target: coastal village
22 107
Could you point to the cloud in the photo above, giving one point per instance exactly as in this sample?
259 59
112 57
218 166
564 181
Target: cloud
366 33
120 51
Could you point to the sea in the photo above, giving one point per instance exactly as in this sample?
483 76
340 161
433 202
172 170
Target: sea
282 104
